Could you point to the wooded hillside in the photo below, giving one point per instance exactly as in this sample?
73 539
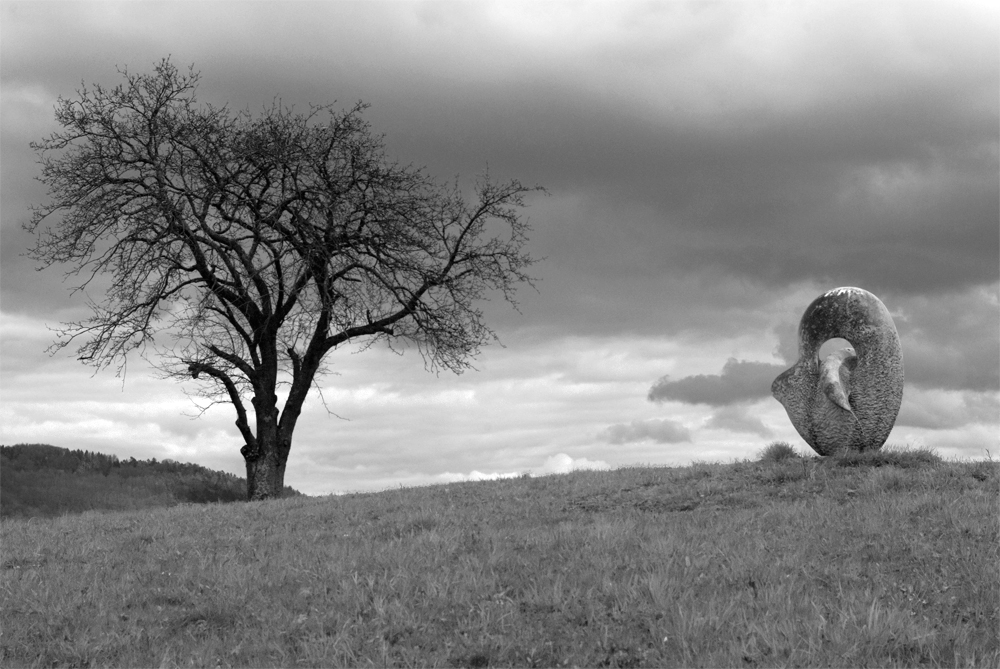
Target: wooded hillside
43 480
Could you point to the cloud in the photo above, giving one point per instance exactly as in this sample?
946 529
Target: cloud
450 477
740 381
788 341
947 409
563 464
559 463
738 419
662 431
951 340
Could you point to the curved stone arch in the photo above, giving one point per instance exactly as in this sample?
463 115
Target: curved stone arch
850 399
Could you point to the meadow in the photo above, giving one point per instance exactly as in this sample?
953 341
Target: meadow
886 559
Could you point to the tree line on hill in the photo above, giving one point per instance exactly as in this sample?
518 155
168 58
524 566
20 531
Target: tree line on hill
39 480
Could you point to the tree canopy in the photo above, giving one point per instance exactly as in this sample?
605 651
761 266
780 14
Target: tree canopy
243 248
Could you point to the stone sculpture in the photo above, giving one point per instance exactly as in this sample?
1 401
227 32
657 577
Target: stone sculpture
849 400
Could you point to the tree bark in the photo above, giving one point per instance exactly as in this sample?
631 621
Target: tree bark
263 474
266 463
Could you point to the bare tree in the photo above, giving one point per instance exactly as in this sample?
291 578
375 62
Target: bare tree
242 249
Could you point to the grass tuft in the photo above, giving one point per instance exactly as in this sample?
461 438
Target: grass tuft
778 451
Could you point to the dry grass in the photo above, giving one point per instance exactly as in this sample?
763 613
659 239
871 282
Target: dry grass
889 561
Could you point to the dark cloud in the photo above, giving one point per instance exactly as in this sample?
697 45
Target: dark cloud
839 162
662 431
951 341
948 410
740 381
679 167
738 419
788 340
885 180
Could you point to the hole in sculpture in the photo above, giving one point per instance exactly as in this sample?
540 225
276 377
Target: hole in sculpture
832 346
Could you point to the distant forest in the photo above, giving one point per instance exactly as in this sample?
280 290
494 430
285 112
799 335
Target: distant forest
38 480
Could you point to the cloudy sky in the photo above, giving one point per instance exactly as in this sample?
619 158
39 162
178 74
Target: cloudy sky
711 168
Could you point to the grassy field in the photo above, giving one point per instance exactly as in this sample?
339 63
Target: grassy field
884 560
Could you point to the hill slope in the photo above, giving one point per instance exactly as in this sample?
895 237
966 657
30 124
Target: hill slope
881 560
39 480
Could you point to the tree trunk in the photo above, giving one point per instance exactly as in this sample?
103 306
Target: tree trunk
265 475
266 462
